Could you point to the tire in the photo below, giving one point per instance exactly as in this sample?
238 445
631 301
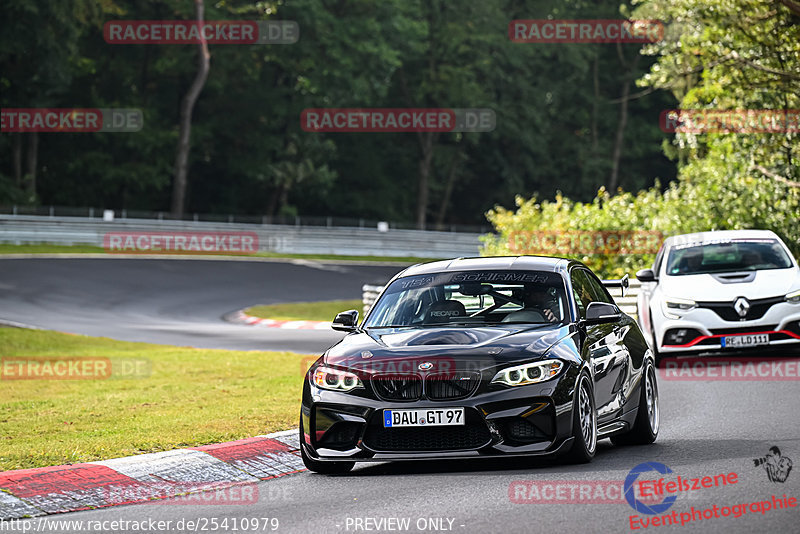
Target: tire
648 419
324 468
584 423
656 353
658 357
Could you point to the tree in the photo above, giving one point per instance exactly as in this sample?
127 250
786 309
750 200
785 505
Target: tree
37 69
557 109
743 54
187 106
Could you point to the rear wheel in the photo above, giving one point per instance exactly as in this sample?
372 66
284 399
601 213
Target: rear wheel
584 423
645 427
324 468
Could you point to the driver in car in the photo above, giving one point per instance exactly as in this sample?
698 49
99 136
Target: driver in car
693 262
538 299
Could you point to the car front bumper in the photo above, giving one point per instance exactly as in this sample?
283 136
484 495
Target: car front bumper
704 330
531 420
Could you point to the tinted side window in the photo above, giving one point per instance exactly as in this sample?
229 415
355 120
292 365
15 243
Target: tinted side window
598 290
581 290
659 258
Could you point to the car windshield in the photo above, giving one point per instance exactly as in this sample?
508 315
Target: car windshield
471 298
727 256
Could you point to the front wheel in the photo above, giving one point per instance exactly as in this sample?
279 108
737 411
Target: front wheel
656 353
645 427
584 423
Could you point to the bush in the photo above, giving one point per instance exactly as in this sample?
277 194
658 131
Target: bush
705 198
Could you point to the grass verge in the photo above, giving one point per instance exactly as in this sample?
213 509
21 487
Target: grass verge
305 311
191 397
89 249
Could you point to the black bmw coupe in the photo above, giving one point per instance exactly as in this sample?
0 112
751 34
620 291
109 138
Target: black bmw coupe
481 357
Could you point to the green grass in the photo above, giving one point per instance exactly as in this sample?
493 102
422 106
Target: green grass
305 311
403 259
49 249
88 249
191 397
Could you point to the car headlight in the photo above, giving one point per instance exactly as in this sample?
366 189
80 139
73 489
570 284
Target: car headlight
335 380
673 306
794 297
530 373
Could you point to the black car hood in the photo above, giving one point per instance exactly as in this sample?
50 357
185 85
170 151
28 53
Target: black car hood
374 348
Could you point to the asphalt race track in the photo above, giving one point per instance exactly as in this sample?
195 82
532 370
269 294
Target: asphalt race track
175 301
707 427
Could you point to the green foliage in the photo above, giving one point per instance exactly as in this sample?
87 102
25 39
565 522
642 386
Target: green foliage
712 203
9 192
304 311
621 212
743 54
249 154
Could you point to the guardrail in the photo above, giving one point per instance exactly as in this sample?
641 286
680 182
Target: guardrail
627 303
350 241
369 294
283 220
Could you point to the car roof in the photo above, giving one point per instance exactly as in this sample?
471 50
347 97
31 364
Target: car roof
493 263
701 238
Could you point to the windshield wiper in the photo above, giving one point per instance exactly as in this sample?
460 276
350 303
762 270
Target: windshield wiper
501 323
429 325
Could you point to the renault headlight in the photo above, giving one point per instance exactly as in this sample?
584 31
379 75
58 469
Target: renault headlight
673 307
793 297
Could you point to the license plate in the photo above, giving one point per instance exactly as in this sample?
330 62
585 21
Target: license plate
752 340
426 417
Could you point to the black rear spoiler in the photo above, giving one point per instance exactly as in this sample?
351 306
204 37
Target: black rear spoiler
622 283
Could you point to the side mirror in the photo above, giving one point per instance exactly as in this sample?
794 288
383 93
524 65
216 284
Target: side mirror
602 313
646 275
345 321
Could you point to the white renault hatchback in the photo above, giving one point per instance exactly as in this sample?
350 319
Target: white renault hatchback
721 291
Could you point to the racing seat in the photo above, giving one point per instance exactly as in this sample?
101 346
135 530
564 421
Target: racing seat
442 311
